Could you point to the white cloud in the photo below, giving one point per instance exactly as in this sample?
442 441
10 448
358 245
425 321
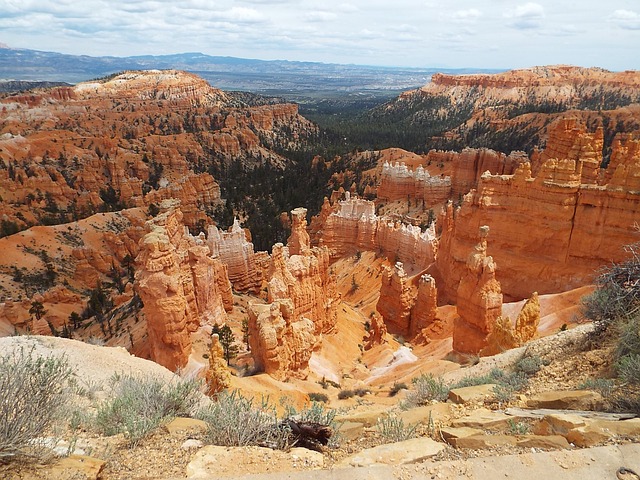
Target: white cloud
470 15
318 16
241 15
626 19
401 32
567 30
527 16
347 8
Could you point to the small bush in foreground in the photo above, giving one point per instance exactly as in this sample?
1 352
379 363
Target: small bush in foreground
628 368
32 393
141 404
518 428
617 296
234 421
602 385
530 365
426 389
627 403
393 429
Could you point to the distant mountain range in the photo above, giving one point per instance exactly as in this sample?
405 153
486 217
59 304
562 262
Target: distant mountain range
228 73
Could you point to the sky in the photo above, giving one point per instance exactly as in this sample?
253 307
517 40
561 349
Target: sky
498 34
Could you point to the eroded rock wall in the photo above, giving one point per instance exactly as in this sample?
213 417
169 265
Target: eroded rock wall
180 285
303 305
350 225
550 233
236 252
468 166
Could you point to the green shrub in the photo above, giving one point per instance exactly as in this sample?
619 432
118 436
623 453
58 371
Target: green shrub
617 296
628 368
393 429
318 397
315 413
628 337
504 393
603 385
530 365
32 394
233 420
141 404
344 394
518 428
473 381
425 389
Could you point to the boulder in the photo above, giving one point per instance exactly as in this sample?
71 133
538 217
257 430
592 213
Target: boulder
568 400
471 394
409 451
485 419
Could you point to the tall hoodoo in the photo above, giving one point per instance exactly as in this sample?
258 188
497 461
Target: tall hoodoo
424 311
397 298
304 301
479 300
180 285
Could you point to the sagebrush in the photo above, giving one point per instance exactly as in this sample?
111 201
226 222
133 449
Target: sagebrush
235 421
393 429
141 404
33 391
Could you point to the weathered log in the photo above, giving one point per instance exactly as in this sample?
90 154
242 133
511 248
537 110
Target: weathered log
309 434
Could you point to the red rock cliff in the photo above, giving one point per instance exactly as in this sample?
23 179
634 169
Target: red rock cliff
552 232
180 285
351 224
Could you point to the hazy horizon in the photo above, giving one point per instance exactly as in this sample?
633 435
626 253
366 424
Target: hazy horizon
491 34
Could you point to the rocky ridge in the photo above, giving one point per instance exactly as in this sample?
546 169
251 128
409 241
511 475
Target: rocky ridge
134 139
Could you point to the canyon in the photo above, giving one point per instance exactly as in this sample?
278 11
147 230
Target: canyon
116 190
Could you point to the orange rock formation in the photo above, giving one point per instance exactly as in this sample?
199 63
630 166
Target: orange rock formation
407 308
552 232
281 345
217 376
377 331
479 302
236 252
504 337
180 285
303 306
468 166
424 312
398 182
397 298
351 224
